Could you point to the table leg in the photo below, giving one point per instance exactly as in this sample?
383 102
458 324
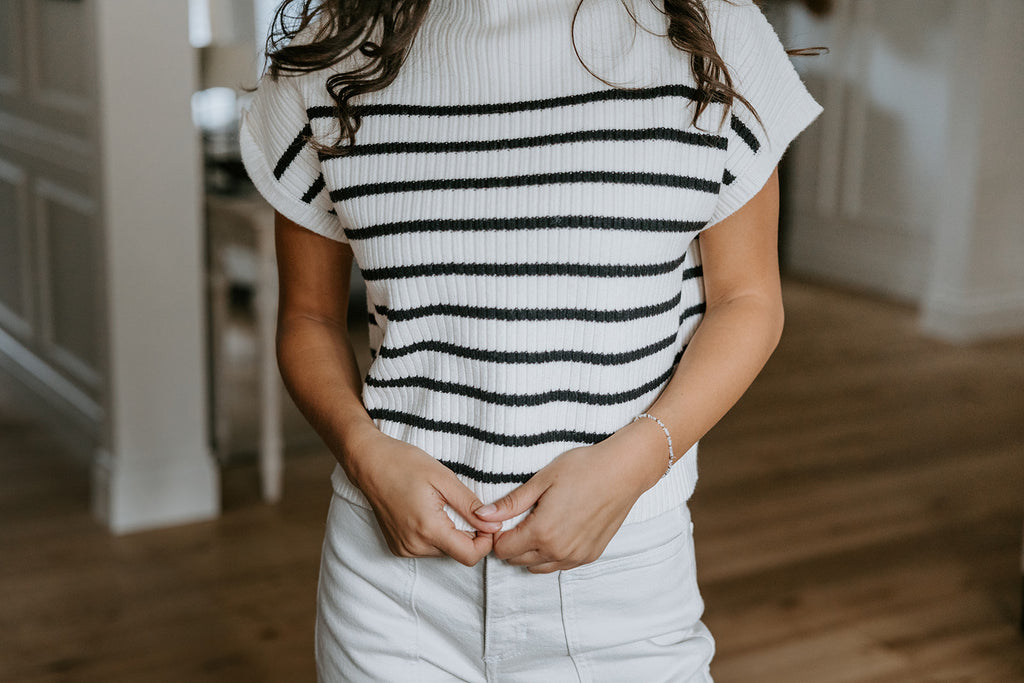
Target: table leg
271 446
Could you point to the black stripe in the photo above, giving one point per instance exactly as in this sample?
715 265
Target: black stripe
632 135
695 271
746 134
372 319
523 357
671 90
522 400
728 178
622 177
314 189
679 355
513 440
509 314
699 309
293 151
486 477
525 223
523 269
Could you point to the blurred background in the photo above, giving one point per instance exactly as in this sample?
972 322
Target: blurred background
162 501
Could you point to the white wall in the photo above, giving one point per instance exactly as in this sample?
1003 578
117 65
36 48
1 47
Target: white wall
867 174
977 282
903 188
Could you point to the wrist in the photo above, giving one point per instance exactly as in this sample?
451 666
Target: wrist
358 445
647 449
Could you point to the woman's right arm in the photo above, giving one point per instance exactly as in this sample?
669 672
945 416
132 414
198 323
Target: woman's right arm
406 487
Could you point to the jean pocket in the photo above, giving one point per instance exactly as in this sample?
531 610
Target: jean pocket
643 587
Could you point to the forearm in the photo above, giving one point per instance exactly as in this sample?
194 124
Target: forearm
320 371
725 355
409 493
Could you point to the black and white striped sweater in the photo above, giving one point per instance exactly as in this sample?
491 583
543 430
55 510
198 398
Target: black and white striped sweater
527 233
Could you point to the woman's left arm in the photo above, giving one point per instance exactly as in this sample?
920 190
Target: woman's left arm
581 499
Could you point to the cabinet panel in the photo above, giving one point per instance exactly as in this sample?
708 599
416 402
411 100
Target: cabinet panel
15 262
69 253
10 47
51 263
60 77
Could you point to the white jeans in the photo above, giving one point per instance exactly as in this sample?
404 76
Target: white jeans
633 615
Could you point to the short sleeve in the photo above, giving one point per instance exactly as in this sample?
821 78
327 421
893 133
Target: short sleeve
762 72
286 170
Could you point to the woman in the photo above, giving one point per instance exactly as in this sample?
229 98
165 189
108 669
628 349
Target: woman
522 185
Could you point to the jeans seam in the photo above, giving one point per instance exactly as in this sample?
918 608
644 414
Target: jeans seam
571 646
413 580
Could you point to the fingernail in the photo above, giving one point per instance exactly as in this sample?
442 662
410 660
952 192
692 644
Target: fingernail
487 510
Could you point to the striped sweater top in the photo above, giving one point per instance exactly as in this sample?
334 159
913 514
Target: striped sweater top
528 234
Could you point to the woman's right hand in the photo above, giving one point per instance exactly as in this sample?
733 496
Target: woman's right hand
408 490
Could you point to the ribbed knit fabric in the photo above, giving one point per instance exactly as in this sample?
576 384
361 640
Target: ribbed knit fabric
527 233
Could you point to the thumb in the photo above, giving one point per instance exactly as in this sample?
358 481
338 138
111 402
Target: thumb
462 500
514 503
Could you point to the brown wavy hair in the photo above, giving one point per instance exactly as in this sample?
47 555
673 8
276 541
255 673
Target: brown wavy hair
382 31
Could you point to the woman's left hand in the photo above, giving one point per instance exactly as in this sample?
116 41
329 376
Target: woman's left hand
579 500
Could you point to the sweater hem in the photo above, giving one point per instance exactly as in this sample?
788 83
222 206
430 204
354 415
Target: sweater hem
670 492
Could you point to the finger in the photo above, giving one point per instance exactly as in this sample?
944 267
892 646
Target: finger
529 558
483 543
401 549
459 546
463 501
548 567
516 502
525 537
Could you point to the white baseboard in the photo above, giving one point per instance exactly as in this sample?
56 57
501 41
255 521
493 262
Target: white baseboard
136 495
951 316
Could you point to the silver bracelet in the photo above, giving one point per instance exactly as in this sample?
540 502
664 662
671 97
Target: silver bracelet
671 453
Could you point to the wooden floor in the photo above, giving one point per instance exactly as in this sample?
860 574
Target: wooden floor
858 518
